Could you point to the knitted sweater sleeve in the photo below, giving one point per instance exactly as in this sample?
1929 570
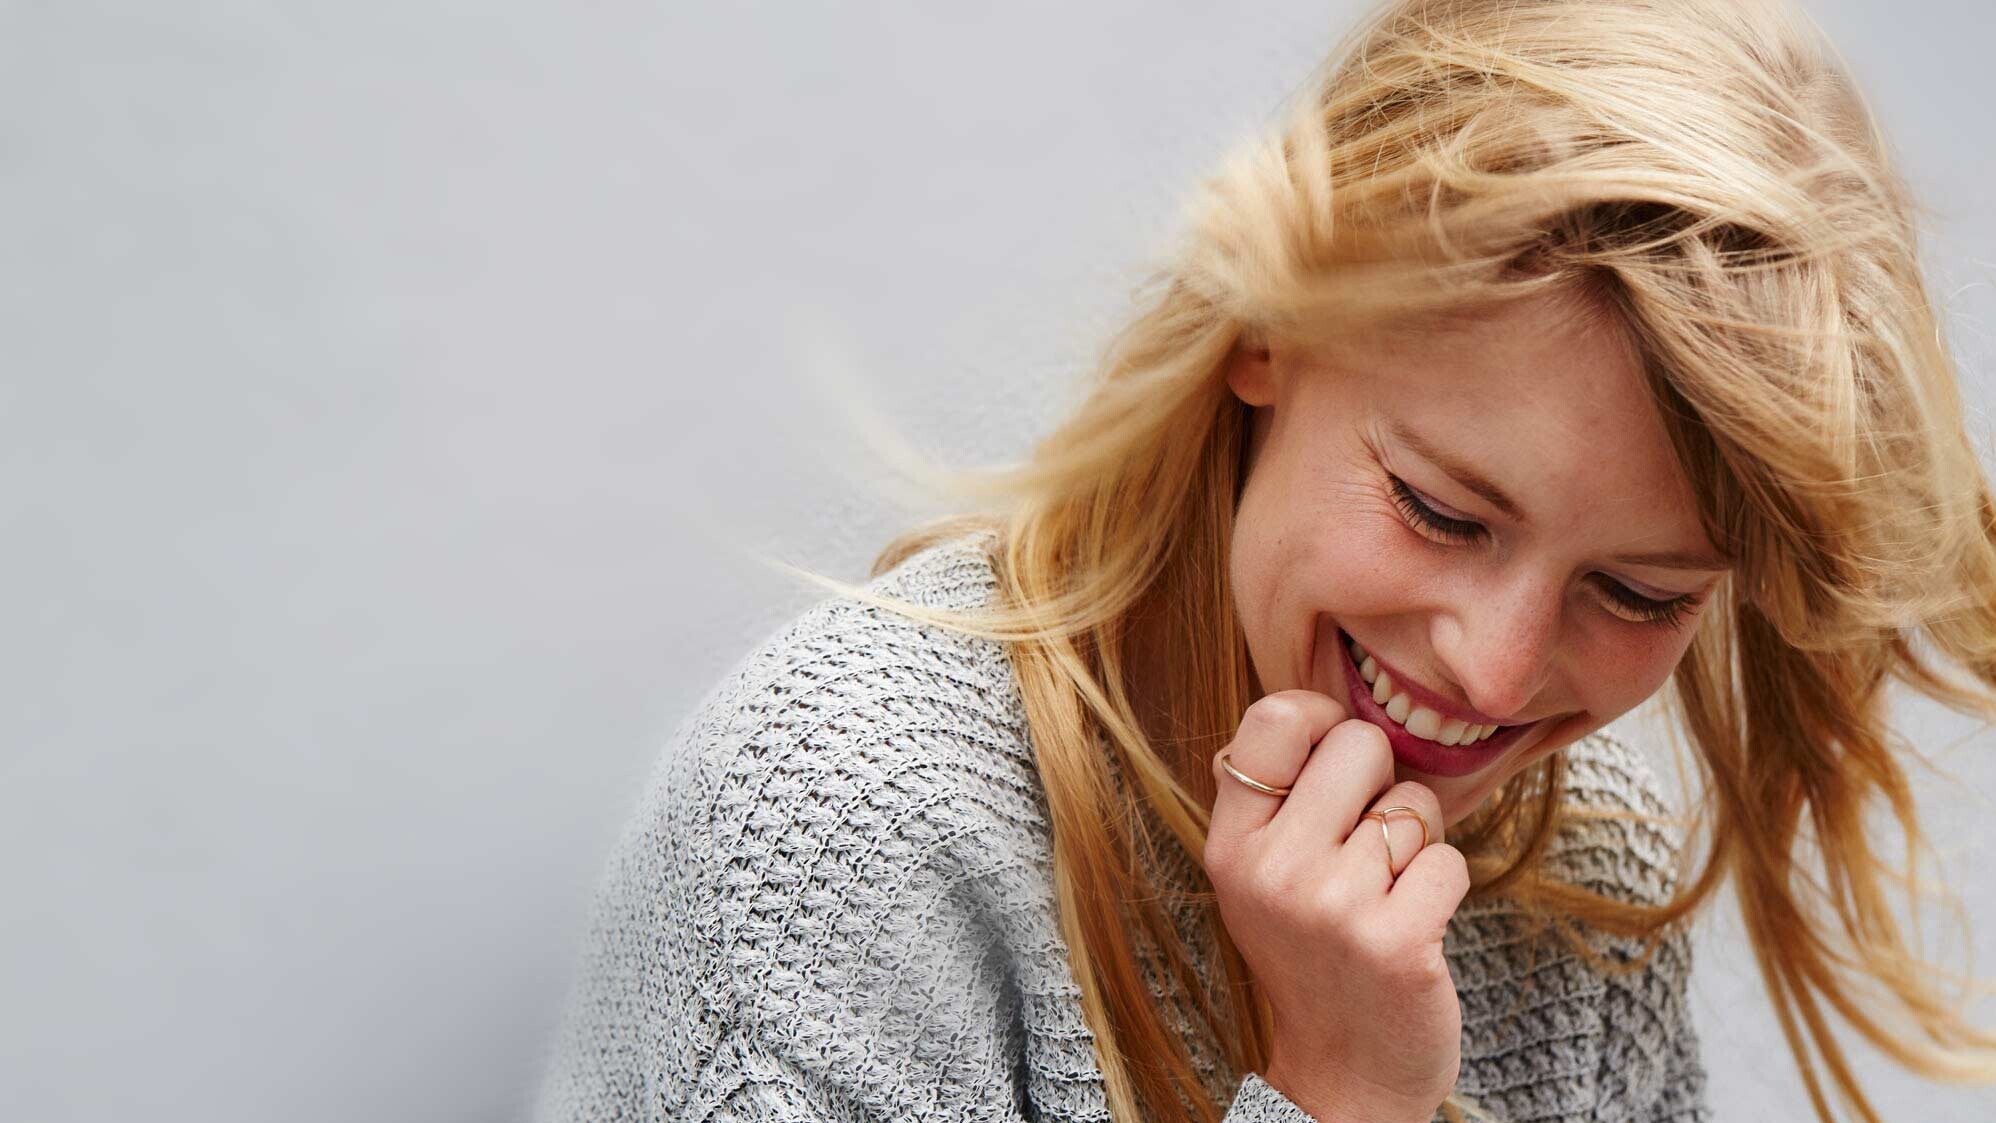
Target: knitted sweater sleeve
807 922
858 967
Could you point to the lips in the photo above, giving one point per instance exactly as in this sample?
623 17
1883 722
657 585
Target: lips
1418 753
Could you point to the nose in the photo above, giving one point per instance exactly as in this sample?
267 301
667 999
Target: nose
1498 643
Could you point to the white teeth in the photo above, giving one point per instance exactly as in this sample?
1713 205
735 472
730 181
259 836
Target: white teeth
1418 720
1423 722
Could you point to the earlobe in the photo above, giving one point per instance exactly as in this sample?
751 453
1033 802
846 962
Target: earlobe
1251 371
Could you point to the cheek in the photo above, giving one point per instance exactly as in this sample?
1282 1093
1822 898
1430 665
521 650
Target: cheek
1334 551
1300 552
1369 565
1625 666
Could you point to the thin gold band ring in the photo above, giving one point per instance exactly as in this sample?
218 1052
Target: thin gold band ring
1250 781
1381 815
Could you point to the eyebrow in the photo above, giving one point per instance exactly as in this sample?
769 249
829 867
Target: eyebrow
1475 481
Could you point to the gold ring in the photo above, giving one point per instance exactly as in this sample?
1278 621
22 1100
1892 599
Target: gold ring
1250 781
1381 815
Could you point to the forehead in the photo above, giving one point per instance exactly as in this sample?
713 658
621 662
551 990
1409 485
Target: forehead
1548 400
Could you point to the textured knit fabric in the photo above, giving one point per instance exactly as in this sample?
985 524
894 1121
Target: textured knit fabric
835 903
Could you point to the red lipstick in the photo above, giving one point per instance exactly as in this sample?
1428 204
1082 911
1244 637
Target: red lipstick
1418 753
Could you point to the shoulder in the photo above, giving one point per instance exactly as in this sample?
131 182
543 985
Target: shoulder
856 767
854 704
806 896
844 655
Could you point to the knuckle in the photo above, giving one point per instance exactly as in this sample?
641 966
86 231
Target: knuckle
1364 740
1448 859
1358 731
1422 798
1444 868
1365 748
1452 865
1217 856
1276 712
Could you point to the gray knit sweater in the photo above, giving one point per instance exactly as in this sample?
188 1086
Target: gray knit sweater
835 903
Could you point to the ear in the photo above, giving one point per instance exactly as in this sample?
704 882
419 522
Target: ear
1251 370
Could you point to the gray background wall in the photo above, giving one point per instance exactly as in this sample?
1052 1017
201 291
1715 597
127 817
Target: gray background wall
389 391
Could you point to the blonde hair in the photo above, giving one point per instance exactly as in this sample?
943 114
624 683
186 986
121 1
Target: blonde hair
1706 170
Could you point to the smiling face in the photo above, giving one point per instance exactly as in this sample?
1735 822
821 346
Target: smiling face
1489 512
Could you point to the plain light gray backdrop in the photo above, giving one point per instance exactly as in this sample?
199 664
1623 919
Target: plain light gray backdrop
386 382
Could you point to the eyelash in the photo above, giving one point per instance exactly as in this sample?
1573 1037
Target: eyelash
1666 613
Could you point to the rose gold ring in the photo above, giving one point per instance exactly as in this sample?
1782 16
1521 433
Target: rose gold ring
1381 815
1250 781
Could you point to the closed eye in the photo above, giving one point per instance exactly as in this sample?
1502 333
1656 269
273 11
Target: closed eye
1622 599
1419 512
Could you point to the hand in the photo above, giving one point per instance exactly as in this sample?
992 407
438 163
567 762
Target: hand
1347 948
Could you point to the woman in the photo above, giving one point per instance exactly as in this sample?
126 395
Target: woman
1246 762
